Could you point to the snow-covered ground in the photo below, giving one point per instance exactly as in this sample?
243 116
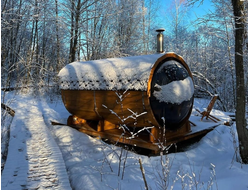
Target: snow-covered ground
42 156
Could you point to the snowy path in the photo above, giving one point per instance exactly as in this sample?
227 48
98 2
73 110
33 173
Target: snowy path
34 160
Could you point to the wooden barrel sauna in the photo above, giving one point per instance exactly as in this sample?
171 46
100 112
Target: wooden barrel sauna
140 91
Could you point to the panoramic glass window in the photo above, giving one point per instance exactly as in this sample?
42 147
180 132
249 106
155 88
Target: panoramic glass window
172 94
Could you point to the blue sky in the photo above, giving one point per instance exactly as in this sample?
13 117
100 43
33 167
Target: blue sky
203 8
191 13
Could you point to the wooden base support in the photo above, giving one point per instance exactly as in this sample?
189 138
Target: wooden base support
149 140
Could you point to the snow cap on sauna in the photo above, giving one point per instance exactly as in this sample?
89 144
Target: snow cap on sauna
171 82
127 73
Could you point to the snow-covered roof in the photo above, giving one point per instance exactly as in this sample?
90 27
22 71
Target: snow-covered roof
128 73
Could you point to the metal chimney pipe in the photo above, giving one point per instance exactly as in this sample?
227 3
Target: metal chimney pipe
160 39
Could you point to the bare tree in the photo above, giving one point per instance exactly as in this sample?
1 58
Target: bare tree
239 9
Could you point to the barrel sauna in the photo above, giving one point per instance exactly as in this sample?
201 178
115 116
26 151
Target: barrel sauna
154 91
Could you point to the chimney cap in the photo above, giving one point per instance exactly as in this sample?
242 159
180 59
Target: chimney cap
160 30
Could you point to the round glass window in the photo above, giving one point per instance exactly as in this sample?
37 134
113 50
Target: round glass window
172 94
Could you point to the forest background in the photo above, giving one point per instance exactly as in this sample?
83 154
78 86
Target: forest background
39 37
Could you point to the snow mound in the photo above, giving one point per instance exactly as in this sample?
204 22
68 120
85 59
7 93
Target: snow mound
175 92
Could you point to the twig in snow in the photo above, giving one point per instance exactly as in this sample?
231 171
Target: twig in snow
143 175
